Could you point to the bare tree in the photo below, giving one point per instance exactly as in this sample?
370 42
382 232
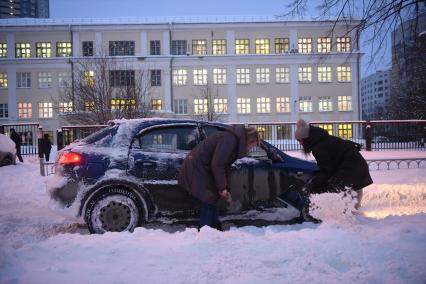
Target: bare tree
377 18
103 89
206 109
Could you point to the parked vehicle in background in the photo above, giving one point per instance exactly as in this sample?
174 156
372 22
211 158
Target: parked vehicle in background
380 139
7 151
126 174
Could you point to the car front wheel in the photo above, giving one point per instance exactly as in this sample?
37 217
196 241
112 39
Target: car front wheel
116 210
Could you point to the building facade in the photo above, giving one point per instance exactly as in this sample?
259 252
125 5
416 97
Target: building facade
375 95
408 89
24 9
262 70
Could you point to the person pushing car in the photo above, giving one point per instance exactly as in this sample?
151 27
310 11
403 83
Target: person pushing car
205 172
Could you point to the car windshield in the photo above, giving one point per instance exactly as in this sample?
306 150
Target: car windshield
101 137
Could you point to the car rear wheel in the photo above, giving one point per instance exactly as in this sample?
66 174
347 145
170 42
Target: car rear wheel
116 210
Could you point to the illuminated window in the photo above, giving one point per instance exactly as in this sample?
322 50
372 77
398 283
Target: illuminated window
156 104
89 77
122 104
219 46
281 45
282 75
4 111
263 105
262 46
45 110
87 48
22 50
325 104
284 131
65 107
343 73
25 110
242 46
64 79
178 47
121 48
44 79
262 75
23 79
200 106
305 45
63 49
344 130
328 127
43 49
344 103
154 47
219 76
3 50
220 105
324 44
89 105
199 46
343 44
305 104
180 106
243 76
200 76
305 74
3 80
283 104
179 77
122 78
243 105
324 73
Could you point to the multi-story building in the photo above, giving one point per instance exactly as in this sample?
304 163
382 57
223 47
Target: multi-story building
24 9
375 95
264 70
408 89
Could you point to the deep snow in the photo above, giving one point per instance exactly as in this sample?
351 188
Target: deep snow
385 243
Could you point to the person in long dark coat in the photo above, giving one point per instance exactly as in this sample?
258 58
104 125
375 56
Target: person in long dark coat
46 147
341 166
206 170
17 139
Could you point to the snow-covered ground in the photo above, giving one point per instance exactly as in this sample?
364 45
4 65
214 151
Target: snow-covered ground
386 243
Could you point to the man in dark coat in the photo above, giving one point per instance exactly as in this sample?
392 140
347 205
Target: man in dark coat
46 146
342 167
206 170
17 139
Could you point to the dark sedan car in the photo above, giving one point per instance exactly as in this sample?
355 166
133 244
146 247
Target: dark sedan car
125 175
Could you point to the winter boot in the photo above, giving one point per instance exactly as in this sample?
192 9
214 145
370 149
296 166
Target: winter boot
306 217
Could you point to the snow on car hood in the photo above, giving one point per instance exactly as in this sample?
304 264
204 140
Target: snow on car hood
6 144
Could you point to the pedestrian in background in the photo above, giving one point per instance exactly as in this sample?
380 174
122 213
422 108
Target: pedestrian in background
206 170
17 139
341 166
46 147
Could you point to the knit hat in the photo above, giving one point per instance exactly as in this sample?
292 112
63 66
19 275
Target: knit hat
302 130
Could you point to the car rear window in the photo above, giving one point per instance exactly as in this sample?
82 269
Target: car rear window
101 137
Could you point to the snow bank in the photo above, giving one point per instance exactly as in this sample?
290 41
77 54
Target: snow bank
6 144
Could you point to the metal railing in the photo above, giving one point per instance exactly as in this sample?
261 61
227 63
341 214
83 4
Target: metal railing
29 133
373 135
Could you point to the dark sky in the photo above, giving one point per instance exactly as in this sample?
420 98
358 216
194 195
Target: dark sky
152 8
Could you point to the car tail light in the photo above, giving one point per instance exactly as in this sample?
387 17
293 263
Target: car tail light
69 158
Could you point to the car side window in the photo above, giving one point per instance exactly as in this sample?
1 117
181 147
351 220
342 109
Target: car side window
168 139
210 129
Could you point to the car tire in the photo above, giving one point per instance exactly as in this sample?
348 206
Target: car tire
114 209
6 161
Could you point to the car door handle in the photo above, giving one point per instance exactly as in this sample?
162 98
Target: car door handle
149 164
